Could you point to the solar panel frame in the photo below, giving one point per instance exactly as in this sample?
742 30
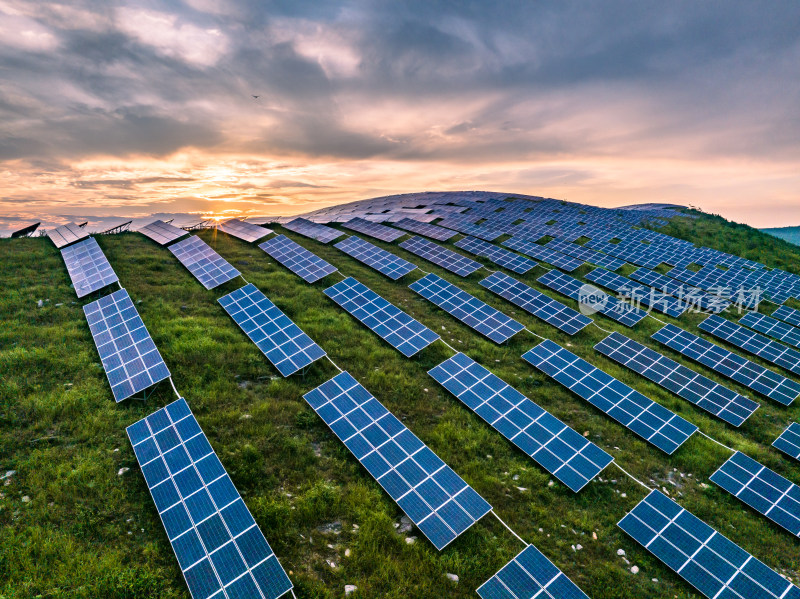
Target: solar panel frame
220 549
789 441
305 264
707 560
444 257
406 334
500 256
787 314
371 229
65 234
312 230
88 267
129 356
162 233
243 230
284 343
651 421
377 258
695 388
772 327
488 321
207 266
559 449
428 230
439 502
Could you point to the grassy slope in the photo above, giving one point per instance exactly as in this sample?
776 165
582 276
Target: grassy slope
87 532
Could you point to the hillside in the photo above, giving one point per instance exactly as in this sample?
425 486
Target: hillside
790 234
78 520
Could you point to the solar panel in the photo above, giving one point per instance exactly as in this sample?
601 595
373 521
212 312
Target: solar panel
640 414
510 260
433 496
467 308
281 340
220 549
448 259
428 230
787 314
772 327
757 344
376 230
710 562
751 375
789 441
204 263
384 262
161 232
539 252
312 230
591 296
530 575
298 259
88 267
243 230
538 304
586 254
684 382
637 293
560 450
389 322
66 234
765 491
130 358
691 296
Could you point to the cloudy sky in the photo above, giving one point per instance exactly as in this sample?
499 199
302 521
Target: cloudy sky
128 109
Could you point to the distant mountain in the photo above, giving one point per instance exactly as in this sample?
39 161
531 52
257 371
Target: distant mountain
790 234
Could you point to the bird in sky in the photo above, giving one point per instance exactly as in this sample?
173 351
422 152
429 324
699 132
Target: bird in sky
256 97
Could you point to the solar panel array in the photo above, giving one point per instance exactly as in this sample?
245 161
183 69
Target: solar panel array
586 254
88 267
691 296
640 414
757 344
591 296
384 262
66 234
448 259
772 327
540 305
299 260
539 252
560 450
787 314
530 575
502 257
428 230
281 340
637 293
433 496
376 230
489 322
714 565
204 263
243 230
130 358
789 441
161 232
221 550
765 491
389 322
312 230
743 371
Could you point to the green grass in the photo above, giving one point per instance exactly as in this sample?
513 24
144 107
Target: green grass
88 532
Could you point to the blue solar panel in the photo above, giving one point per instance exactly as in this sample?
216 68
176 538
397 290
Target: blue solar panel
389 322
640 414
221 550
787 314
243 230
130 358
530 575
162 233
281 340
714 565
691 296
685 382
448 259
636 293
539 252
384 262
313 230
765 491
586 254
733 366
560 450
467 308
510 260
436 499
66 234
205 264
428 230
756 344
540 305
371 229
789 441
592 297
298 259
772 327
88 267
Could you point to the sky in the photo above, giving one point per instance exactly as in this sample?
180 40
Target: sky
125 109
